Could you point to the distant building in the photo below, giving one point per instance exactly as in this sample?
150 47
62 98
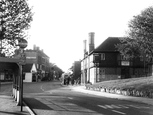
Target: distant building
106 63
76 68
37 64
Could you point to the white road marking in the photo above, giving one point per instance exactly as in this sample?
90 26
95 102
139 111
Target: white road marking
70 98
134 106
119 112
102 106
109 106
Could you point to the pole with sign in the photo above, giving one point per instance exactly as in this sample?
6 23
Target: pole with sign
22 44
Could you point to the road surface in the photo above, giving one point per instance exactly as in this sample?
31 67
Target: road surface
50 98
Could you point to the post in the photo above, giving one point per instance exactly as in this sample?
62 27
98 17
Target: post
21 87
22 44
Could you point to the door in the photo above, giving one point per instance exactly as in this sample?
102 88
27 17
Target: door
125 73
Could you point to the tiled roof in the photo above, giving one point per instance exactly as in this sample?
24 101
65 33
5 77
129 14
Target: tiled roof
108 44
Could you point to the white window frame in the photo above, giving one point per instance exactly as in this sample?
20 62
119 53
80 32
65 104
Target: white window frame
102 56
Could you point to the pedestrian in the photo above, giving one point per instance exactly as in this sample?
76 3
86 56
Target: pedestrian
72 81
68 80
65 81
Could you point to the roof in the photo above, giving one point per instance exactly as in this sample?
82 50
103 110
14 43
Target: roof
8 60
108 45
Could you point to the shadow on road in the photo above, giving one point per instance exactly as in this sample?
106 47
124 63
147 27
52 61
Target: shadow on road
35 104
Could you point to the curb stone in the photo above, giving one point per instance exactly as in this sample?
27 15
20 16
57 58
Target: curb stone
28 108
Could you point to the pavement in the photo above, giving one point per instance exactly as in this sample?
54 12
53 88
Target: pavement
8 104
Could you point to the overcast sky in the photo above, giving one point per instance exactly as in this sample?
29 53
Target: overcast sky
60 26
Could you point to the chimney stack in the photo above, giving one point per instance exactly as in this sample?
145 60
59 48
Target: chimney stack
91 41
84 44
34 47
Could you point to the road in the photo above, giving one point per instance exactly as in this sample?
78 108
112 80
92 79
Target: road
50 98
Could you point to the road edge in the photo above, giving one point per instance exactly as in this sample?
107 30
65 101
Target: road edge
29 109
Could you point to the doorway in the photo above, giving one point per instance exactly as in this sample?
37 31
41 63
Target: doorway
125 73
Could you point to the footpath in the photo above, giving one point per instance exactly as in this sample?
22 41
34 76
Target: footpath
8 104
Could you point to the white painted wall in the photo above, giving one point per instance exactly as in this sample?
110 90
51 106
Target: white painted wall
28 77
92 75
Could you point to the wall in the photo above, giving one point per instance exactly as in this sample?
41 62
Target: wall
104 74
92 75
28 77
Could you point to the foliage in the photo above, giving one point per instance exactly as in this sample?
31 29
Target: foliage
139 39
15 18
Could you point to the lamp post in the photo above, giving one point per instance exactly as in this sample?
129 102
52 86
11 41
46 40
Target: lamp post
22 44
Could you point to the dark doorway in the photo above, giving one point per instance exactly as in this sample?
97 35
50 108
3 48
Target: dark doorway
125 73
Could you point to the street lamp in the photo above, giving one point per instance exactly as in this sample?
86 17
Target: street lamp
22 44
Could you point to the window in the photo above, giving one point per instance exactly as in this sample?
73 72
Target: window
102 56
124 57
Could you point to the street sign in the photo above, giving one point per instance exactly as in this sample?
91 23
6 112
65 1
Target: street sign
23 43
22 60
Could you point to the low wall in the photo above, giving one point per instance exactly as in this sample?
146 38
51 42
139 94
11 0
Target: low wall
128 92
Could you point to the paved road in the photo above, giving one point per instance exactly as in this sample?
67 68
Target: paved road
50 98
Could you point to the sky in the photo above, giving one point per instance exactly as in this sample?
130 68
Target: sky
60 26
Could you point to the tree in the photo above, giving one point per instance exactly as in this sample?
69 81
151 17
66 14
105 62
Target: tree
139 39
15 18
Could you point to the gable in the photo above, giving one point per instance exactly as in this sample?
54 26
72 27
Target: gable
33 69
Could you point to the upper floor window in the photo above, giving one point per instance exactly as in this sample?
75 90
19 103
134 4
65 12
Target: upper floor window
102 56
124 57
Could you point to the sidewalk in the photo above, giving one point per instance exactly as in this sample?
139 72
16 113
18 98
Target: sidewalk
8 106
109 95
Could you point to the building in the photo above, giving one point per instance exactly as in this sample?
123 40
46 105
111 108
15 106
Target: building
106 63
9 69
37 64
76 68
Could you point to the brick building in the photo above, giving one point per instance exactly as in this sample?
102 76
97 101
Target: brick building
37 64
106 63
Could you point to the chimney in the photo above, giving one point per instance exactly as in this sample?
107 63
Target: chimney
91 41
84 46
34 47
38 48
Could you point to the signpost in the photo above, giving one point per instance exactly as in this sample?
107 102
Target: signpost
22 44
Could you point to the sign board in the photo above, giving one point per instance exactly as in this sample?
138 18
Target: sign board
22 43
22 60
125 63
